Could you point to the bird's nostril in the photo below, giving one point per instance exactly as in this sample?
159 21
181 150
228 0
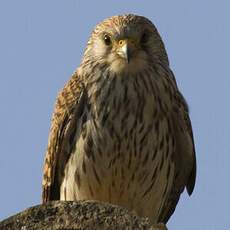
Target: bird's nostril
121 42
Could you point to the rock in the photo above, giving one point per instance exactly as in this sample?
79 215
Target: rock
76 215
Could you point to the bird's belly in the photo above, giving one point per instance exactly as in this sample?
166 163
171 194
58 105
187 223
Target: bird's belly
128 168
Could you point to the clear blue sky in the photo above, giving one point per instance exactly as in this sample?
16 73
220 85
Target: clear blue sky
41 44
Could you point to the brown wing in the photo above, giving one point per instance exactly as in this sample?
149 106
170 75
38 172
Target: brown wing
68 106
184 138
184 157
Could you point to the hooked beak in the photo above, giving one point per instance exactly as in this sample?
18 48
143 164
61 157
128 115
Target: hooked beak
126 49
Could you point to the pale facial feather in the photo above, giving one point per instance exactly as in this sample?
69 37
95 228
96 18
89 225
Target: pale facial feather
109 54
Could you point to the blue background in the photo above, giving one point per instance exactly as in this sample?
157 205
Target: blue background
41 44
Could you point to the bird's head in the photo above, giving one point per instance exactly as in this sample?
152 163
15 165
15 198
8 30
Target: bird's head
126 43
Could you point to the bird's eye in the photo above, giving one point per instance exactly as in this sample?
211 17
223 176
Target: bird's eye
144 38
107 39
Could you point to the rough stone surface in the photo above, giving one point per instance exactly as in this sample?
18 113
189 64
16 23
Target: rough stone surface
76 215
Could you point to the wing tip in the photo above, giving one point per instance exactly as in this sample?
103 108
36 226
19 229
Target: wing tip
191 181
189 189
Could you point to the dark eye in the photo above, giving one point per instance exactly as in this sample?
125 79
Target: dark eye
144 38
107 39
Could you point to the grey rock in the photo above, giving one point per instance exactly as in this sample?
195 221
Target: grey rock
77 215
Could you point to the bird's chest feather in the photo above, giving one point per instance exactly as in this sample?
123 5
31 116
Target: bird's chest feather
121 116
120 146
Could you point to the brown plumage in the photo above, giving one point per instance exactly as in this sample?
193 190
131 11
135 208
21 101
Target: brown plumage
121 131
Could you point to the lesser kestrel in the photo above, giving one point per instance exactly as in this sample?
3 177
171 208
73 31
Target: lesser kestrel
120 130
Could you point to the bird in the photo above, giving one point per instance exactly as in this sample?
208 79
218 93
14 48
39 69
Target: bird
120 131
